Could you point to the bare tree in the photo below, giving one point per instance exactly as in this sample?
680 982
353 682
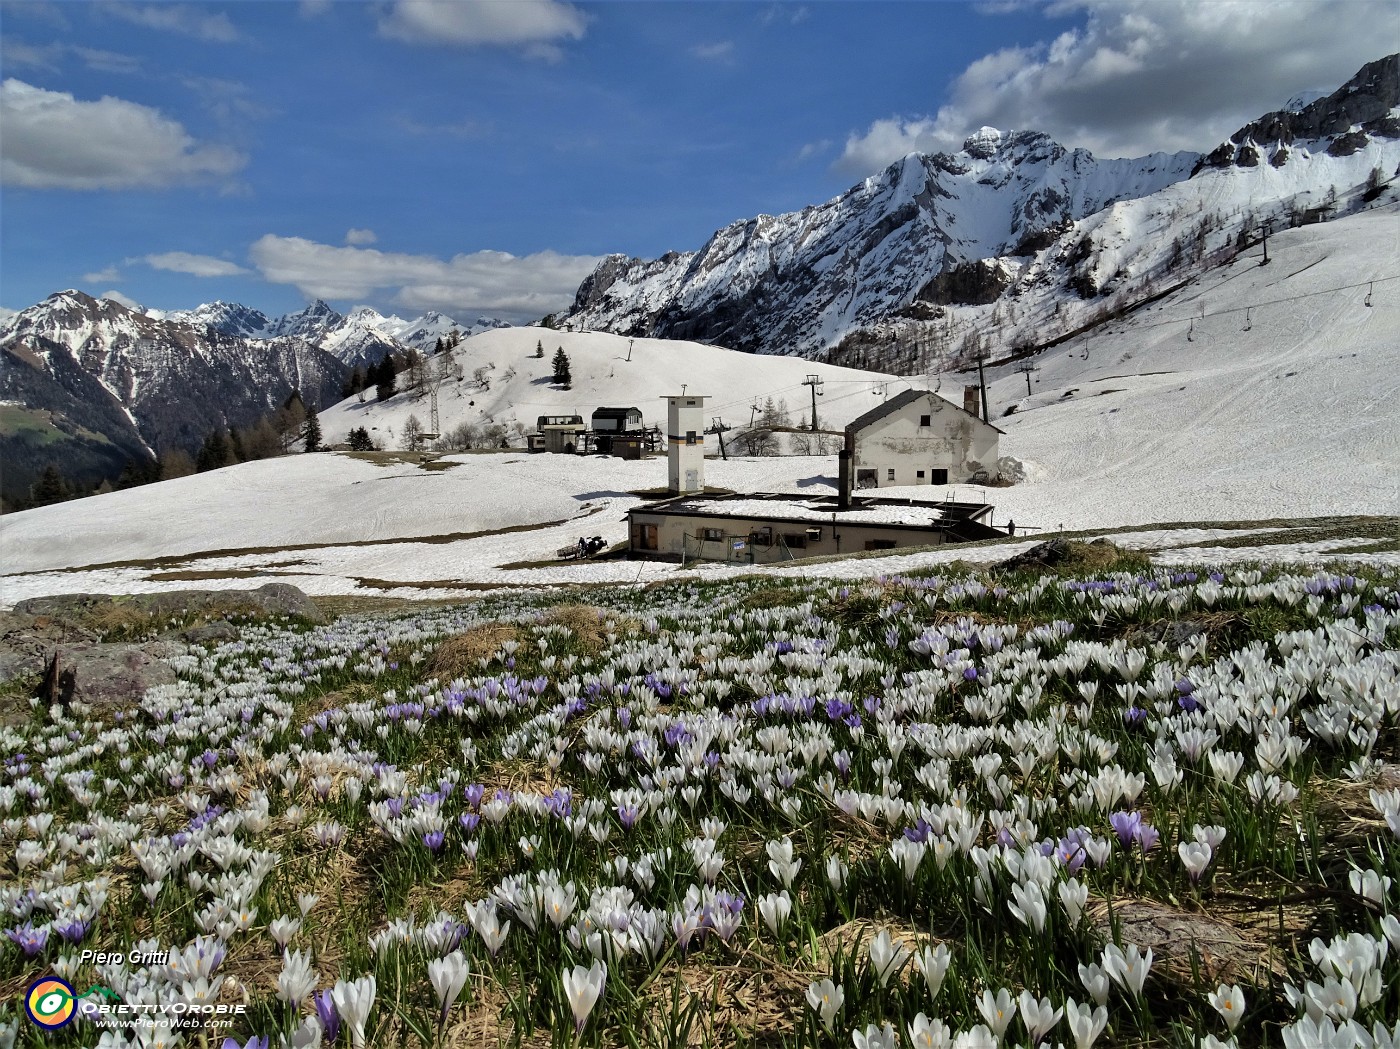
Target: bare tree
413 434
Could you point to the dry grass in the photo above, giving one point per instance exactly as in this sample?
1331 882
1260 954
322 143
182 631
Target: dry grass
461 654
590 624
1228 951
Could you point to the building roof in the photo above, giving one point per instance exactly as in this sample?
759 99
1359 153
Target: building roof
906 513
901 400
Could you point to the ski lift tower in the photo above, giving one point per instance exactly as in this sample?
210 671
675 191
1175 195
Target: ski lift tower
434 430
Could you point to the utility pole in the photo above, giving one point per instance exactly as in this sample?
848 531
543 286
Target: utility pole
717 425
1265 261
629 349
814 381
982 381
1026 369
753 411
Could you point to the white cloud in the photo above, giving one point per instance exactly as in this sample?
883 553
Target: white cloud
109 275
490 282
184 19
792 14
195 265
723 51
125 300
7 314
812 149
360 237
107 61
19 55
535 25
54 141
1143 75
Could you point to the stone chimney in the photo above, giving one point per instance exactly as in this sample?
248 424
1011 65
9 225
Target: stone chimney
972 399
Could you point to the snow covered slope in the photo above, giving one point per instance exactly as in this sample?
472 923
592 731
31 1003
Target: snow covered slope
1283 402
516 387
1255 391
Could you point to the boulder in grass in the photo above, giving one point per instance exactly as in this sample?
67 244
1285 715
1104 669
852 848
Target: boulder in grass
97 610
107 678
27 642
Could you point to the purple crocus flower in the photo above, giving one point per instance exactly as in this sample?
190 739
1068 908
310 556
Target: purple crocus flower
258 1041
325 1012
1125 825
1147 836
920 831
29 939
433 839
73 932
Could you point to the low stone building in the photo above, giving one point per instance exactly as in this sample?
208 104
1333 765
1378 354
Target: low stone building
760 529
914 438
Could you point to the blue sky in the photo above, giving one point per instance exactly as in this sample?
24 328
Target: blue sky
478 157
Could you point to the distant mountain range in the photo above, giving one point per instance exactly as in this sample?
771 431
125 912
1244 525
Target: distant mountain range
90 383
1012 219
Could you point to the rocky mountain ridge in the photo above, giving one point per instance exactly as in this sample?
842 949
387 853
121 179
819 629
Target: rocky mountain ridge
1011 215
89 381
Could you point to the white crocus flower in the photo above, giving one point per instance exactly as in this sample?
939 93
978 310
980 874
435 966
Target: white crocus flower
826 999
886 956
929 1034
775 909
1040 1017
353 1001
1127 968
1195 857
1095 981
933 963
781 863
582 988
1369 885
836 872
1074 897
1086 1023
297 979
282 930
998 1010
1029 905
448 976
875 1037
1228 1001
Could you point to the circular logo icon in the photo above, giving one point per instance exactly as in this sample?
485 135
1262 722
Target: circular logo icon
50 1003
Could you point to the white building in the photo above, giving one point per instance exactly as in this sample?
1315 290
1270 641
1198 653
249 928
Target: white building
685 443
917 437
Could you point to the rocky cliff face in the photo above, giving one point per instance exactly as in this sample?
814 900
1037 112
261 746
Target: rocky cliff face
1340 124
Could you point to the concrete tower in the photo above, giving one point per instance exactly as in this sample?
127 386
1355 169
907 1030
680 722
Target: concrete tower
685 441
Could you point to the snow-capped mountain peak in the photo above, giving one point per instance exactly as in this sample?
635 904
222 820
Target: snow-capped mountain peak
311 324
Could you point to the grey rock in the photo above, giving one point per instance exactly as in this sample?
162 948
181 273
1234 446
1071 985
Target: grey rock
110 677
211 633
271 599
27 641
